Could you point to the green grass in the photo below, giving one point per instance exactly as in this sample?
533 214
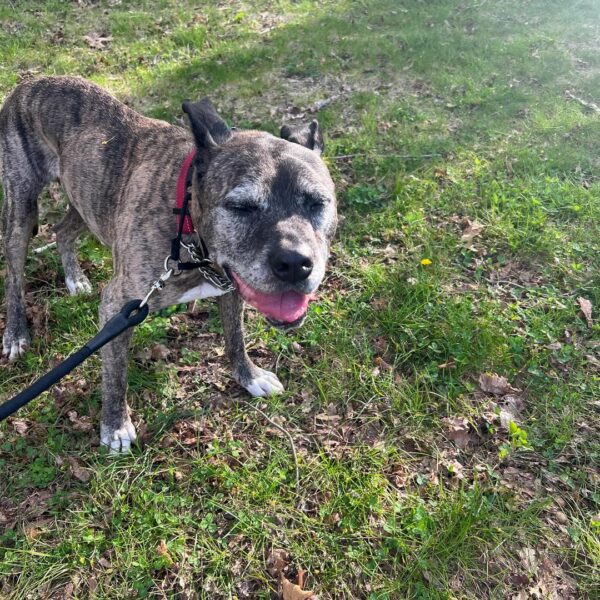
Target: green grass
453 113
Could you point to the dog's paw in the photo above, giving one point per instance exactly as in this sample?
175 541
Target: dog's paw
118 440
263 383
14 344
78 285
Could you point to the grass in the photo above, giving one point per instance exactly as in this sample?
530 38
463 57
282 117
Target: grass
455 115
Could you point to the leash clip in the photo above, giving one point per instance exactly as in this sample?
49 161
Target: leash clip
159 284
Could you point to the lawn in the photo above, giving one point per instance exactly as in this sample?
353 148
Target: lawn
443 396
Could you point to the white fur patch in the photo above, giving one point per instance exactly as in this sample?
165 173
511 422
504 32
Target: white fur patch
204 290
267 384
78 287
15 349
119 440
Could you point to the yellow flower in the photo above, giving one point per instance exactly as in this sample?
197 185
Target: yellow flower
425 262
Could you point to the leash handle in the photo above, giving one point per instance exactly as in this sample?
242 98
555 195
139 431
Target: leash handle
130 315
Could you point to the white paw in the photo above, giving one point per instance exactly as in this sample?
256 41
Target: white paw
118 440
78 286
14 348
266 384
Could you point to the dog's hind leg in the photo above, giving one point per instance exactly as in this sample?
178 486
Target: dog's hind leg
19 219
67 231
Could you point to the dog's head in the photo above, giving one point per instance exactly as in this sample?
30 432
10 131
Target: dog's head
266 208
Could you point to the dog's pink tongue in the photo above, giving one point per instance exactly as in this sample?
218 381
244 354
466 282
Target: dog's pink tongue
286 307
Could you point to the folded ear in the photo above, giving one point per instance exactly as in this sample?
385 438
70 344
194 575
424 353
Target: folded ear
309 136
207 126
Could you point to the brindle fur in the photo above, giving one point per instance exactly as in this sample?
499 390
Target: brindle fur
119 170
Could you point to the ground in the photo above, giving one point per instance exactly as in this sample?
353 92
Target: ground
443 397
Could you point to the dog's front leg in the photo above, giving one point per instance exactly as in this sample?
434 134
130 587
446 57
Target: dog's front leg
256 380
116 429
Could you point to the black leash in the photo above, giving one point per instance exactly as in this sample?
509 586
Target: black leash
130 315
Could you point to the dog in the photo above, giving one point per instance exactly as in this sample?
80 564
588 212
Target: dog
263 207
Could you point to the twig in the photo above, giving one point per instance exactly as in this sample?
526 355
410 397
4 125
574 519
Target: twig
407 156
286 433
44 248
591 105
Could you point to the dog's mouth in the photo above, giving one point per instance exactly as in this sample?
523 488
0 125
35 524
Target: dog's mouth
283 309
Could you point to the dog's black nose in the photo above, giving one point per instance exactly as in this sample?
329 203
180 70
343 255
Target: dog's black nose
290 266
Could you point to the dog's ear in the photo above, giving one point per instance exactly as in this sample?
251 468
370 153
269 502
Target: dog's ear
306 135
207 126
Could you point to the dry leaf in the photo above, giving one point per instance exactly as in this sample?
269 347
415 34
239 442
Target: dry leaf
77 470
159 352
277 561
82 423
494 384
472 230
97 42
455 469
586 309
21 426
529 560
458 431
291 591
162 550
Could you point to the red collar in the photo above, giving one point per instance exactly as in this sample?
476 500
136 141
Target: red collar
188 226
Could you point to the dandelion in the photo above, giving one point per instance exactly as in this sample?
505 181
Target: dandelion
425 262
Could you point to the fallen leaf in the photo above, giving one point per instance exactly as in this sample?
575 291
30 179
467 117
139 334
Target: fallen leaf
455 469
495 384
529 560
277 561
82 423
97 42
586 309
77 470
291 591
458 431
159 352
472 230
21 426
92 584
163 551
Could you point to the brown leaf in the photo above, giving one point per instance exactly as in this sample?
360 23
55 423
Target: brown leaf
82 423
159 352
277 561
21 426
77 470
455 469
162 550
495 384
586 309
529 560
472 230
96 41
458 431
291 591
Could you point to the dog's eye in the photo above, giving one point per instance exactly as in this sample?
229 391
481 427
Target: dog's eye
316 206
242 207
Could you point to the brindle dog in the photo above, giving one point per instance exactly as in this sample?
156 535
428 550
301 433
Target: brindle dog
264 206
